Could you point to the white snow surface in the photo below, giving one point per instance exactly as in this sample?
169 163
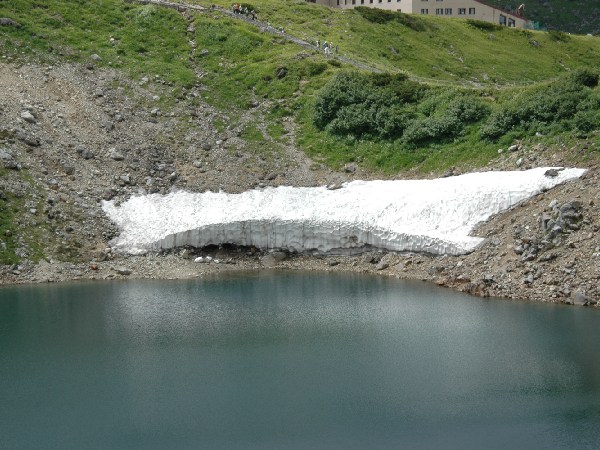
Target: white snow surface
433 216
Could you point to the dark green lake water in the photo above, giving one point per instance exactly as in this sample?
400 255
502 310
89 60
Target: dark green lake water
293 360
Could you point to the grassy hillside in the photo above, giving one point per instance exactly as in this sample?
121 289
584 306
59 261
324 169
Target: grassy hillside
574 16
239 63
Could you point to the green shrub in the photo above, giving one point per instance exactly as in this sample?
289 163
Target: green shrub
382 16
412 21
467 109
429 129
389 106
585 77
484 26
313 68
375 15
547 108
558 36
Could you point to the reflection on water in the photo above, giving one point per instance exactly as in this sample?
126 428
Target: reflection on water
292 360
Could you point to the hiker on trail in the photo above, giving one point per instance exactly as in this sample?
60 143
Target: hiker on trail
236 8
318 44
253 14
246 11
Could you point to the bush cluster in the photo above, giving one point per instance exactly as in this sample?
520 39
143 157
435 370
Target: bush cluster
382 16
484 26
570 103
385 106
391 107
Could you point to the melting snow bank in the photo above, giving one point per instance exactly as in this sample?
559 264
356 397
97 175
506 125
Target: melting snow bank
433 216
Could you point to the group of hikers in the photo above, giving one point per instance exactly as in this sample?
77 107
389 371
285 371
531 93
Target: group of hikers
328 47
239 9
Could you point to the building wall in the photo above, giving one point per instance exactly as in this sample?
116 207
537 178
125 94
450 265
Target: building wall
465 9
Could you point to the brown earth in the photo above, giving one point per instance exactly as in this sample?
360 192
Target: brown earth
77 135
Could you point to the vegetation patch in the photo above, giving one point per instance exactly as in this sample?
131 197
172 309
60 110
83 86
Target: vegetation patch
571 103
381 16
484 26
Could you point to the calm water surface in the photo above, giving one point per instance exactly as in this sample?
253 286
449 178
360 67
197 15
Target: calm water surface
293 360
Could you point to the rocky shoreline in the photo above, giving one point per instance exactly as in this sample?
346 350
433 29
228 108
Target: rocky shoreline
72 136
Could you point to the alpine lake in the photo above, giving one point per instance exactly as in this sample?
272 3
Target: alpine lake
292 360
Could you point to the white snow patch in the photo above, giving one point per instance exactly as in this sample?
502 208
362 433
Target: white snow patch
434 216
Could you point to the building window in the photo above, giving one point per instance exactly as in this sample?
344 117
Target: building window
370 1
354 2
462 11
362 2
439 11
471 11
511 22
425 11
502 20
338 2
448 11
380 1
398 1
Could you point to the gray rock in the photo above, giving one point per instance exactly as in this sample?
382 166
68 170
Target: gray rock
273 258
206 146
552 173
350 168
122 270
489 278
382 266
513 148
108 194
581 299
114 154
28 117
27 139
6 22
96 57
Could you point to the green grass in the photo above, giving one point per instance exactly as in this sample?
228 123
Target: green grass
139 39
444 51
